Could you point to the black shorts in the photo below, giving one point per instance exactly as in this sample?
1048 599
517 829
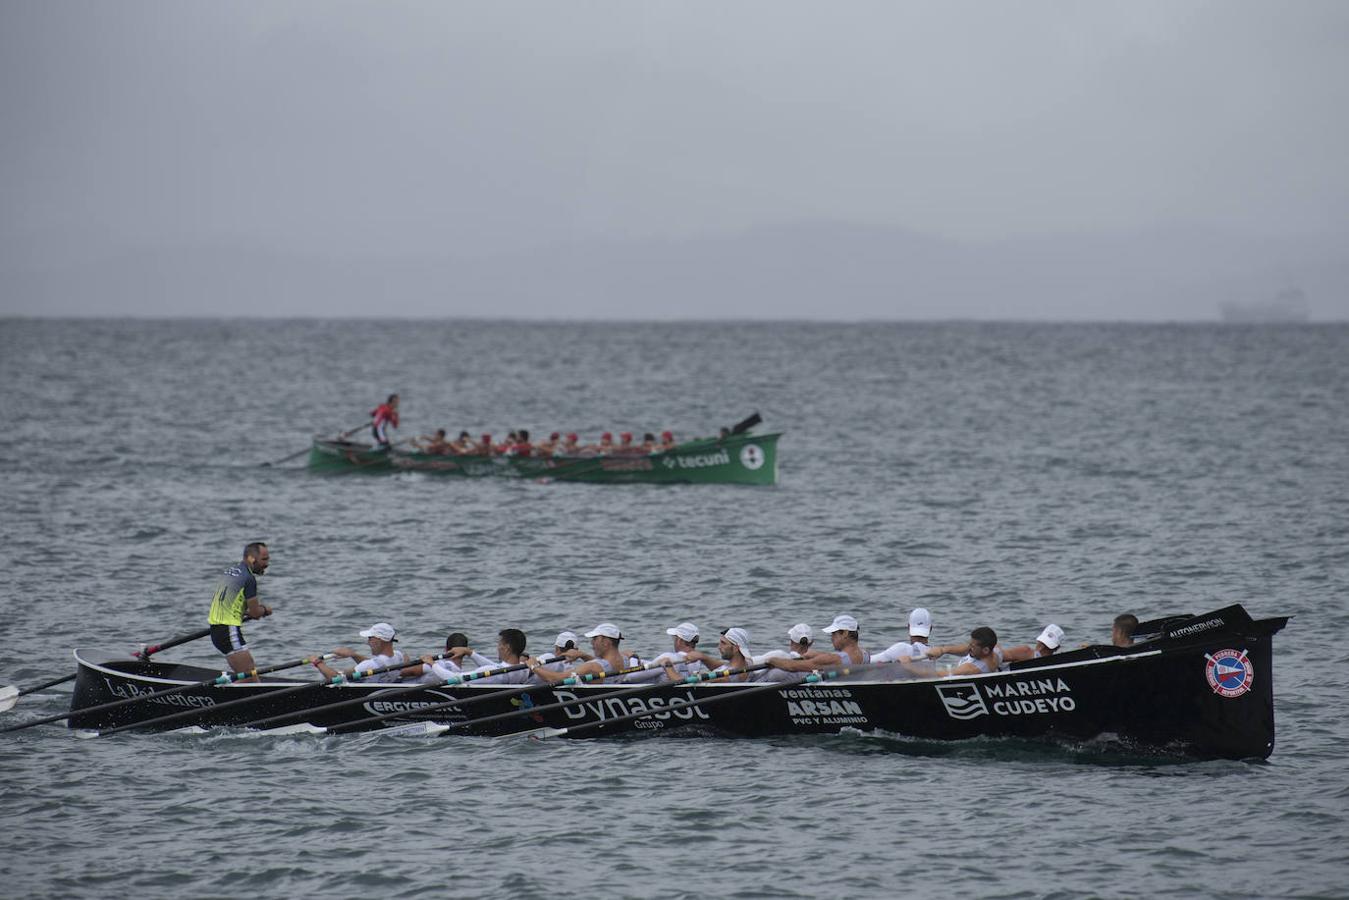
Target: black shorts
228 638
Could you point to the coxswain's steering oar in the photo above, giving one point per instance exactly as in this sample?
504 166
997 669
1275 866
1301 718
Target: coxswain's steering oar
9 695
700 677
812 678
463 702
341 437
188 714
149 650
223 678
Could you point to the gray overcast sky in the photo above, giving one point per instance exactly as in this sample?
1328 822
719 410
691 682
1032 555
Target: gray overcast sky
389 129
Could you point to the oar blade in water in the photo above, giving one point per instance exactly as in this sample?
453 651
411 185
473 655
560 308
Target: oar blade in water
9 695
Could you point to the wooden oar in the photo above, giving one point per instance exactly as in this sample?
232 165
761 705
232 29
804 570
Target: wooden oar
222 679
9 695
671 707
341 437
258 697
713 675
570 680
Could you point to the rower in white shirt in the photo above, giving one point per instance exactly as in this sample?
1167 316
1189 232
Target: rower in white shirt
675 664
380 637
913 652
798 647
510 652
735 654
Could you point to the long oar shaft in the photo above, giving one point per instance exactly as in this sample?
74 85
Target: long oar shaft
260 696
46 684
385 695
222 679
465 702
149 650
723 698
597 698
341 437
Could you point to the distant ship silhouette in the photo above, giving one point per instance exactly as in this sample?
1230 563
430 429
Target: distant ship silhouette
1289 305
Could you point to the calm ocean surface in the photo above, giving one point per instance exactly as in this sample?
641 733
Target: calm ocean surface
995 473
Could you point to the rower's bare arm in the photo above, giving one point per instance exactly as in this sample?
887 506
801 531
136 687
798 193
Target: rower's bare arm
257 609
810 664
1017 654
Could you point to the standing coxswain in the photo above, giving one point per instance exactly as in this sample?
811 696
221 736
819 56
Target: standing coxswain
236 599
381 418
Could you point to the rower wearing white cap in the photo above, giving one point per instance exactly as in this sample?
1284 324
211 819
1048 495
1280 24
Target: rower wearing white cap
381 637
915 648
1049 641
604 640
673 664
565 652
735 654
798 647
843 633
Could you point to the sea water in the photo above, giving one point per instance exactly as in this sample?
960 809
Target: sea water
1000 474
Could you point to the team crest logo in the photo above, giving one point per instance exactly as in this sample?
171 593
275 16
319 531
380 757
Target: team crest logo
962 701
751 457
1229 672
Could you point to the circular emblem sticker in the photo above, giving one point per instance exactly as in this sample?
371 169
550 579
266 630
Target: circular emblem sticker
751 457
1229 672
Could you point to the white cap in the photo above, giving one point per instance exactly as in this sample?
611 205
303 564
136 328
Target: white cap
686 630
565 637
739 637
1051 637
841 623
382 630
920 622
800 632
605 629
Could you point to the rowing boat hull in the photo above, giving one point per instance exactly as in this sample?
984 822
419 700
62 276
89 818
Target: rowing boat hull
335 457
739 459
1205 692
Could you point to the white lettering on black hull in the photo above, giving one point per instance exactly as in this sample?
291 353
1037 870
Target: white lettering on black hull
126 691
614 707
814 706
1035 696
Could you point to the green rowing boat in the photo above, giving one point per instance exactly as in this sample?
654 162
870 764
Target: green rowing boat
735 459
328 455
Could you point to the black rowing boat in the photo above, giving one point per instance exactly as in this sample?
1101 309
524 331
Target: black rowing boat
1199 686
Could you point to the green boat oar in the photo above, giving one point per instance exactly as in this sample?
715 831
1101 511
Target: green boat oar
622 692
812 678
9 695
569 681
258 697
222 679
341 437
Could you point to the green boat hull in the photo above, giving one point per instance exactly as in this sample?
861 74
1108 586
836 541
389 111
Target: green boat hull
739 459
347 456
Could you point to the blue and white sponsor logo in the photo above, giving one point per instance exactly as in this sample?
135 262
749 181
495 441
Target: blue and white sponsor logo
962 701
